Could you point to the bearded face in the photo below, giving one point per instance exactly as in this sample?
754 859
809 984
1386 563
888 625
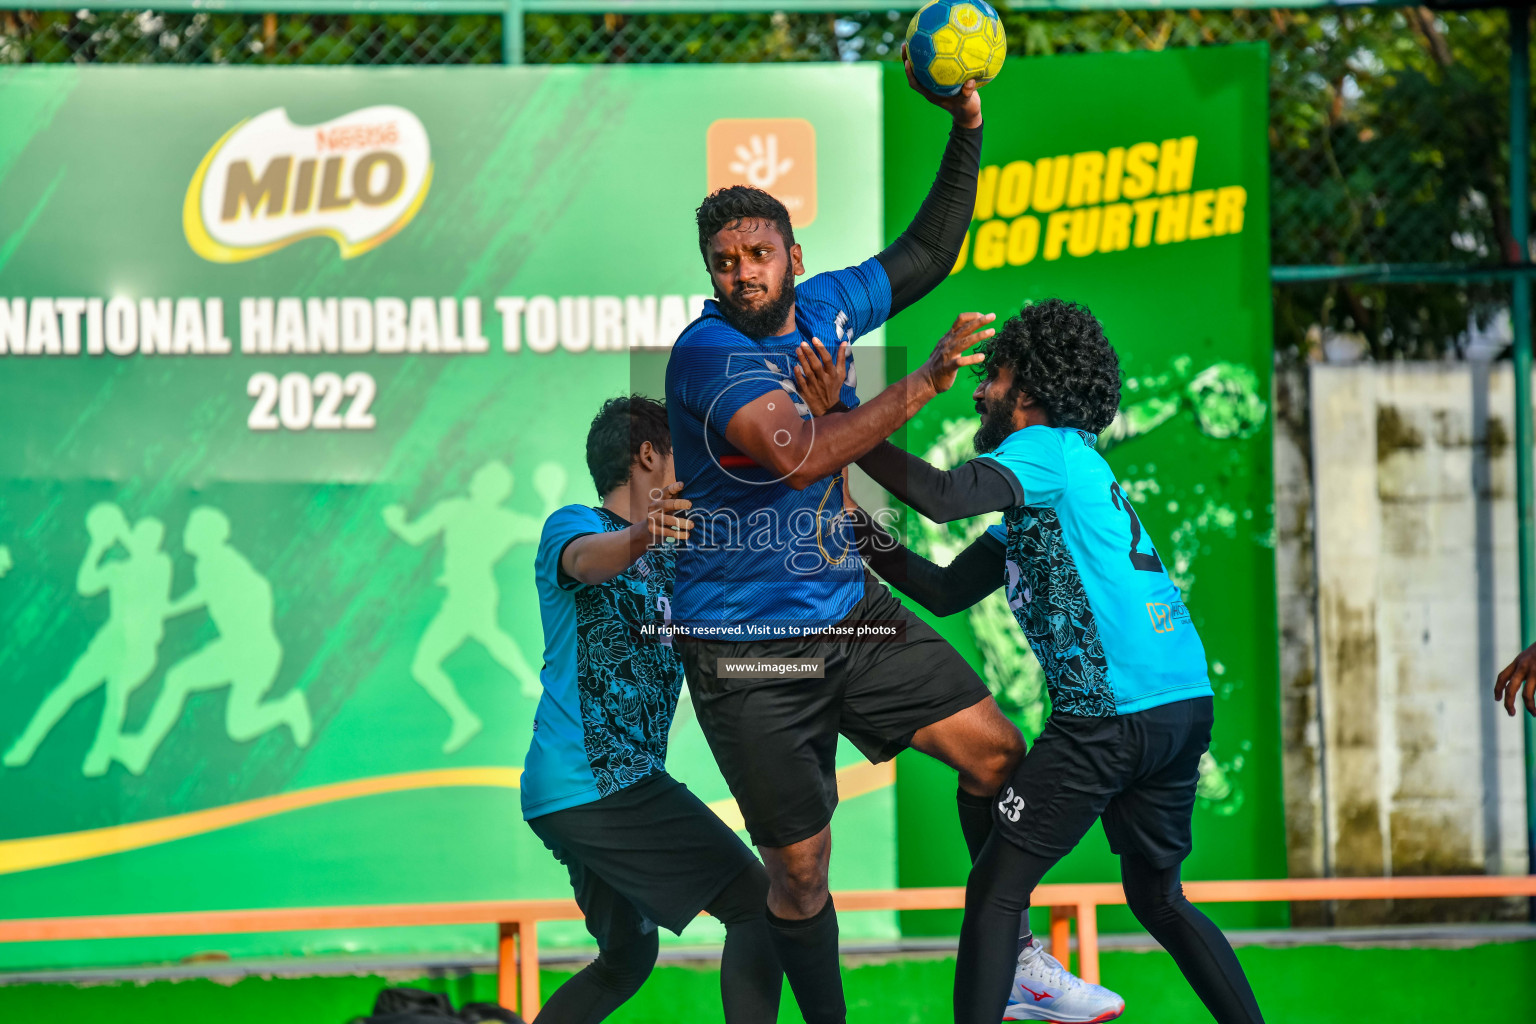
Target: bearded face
753 311
996 421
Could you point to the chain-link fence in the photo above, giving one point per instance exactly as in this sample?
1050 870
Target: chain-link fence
1388 125
159 37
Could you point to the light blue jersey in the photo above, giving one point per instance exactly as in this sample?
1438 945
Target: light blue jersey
1086 585
611 678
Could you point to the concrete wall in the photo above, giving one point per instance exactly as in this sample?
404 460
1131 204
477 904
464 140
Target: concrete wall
1397 761
1297 590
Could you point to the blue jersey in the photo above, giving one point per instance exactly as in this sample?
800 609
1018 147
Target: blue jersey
763 559
1086 585
611 677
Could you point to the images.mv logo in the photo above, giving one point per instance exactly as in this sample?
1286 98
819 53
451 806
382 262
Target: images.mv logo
357 179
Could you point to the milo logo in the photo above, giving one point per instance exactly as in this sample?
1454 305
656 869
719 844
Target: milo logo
357 179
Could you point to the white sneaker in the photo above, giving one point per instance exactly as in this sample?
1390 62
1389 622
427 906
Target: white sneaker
1045 990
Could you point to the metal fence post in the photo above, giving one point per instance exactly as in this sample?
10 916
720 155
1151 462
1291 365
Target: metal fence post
512 32
1520 317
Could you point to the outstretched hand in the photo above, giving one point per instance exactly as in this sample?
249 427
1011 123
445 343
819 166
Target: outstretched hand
964 106
662 522
819 378
1517 680
940 368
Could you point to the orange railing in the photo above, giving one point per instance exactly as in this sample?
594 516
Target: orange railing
518 948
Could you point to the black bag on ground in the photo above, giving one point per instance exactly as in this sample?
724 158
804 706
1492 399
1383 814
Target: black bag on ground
476 1013
418 1006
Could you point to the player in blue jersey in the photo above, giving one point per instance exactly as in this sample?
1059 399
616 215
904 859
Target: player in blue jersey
641 849
1131 704
770 578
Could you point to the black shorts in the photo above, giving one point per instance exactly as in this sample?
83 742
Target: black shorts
652 853
776 739
1137 771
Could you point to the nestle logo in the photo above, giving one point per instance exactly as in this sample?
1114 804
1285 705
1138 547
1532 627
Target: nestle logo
358 136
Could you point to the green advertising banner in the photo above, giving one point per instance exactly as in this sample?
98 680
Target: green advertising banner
293 364
1136 184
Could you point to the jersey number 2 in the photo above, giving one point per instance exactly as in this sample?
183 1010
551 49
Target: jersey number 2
1140 561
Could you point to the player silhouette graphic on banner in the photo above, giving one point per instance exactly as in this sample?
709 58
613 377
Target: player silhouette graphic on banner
123 652
477 532
245 657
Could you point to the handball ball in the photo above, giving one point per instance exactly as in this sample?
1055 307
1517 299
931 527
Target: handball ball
951 42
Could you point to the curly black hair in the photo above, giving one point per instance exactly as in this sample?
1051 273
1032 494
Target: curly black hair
1060 358
739 202
618 430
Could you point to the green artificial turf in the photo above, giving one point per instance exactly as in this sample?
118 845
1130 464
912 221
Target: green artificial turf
1307 985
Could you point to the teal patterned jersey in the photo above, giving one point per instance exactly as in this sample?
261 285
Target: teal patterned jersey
1086 584
611 678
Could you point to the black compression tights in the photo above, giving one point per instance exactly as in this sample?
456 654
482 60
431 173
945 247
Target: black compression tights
1197 945
998 892
750 977
603 985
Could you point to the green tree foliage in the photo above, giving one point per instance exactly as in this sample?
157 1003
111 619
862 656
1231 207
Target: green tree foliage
157 37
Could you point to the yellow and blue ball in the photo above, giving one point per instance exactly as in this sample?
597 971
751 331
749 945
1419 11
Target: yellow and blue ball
951 42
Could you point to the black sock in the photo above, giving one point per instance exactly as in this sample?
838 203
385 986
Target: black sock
975 820
808 951
1026 936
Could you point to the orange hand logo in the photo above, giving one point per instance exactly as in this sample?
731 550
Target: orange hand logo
777 155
